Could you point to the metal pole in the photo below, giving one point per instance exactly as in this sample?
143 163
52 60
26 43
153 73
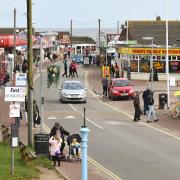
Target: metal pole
41 85
71 33
84 134
152 71
12 160
167 57
106 49
30 74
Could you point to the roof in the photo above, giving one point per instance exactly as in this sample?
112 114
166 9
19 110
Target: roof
156 29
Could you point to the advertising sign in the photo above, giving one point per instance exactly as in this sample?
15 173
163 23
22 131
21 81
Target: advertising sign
15 94
105 71
172 81
21 79
86 60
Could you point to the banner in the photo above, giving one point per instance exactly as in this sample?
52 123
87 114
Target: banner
105 71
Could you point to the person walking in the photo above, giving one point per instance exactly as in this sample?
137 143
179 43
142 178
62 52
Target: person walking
151 112
55 145
105 83
144 96
136 102
116 70
61 132
65 68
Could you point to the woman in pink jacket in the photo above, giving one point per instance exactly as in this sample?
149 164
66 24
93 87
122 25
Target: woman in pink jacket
55 144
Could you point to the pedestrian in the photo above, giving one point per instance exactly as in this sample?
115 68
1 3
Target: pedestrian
55 145
61 132
24 66
151 113
35 113
137 113
105 83
71 73
116 69
65 68
144 96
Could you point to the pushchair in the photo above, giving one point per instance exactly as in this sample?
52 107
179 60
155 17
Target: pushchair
73 141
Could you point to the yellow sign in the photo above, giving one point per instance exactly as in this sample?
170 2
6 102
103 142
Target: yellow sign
105 71
149 51
177 93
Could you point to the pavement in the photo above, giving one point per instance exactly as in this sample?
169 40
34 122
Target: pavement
72 170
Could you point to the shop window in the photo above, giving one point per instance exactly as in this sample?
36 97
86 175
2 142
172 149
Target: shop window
163 57
158 58
178 58
174 67
173 57
169 57
134 65
144 65
159 66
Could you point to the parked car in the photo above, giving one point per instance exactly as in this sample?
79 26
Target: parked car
72 91
120 87
78 58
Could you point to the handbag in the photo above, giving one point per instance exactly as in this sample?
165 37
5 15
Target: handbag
38 120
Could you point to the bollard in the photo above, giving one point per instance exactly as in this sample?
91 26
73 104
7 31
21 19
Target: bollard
84 135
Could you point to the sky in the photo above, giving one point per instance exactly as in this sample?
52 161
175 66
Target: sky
85 13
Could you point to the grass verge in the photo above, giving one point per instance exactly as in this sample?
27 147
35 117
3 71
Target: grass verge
22 170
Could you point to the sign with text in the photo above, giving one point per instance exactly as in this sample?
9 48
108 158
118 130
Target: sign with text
21 79
15 94
14 110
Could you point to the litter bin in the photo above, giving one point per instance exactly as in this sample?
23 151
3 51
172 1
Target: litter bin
162 100
41 144
129 73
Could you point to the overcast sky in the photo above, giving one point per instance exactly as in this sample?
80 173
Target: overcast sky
85 13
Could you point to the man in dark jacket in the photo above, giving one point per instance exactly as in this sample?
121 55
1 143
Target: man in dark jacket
105 83
61 132
144 96
137 108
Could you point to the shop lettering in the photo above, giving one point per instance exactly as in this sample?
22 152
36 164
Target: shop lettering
14 90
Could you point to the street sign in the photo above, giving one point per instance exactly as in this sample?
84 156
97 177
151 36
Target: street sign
15 94
14 110
21 79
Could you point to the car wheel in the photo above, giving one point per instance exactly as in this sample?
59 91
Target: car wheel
112 98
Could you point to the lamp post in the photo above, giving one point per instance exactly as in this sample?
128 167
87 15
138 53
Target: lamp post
167 57
151 62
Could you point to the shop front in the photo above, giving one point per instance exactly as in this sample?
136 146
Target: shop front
139 59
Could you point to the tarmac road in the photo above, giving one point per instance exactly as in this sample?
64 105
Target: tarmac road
130 151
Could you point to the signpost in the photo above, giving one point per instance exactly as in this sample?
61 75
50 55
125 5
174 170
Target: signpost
14 143
21 79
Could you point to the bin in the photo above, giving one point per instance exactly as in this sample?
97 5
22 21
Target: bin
162 100
129 73
41 144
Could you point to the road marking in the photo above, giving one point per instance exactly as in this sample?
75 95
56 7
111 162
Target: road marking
94 123
52 117
69 117
103 169
72 107
145 124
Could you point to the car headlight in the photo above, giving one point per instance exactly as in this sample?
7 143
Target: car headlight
114 91
131 91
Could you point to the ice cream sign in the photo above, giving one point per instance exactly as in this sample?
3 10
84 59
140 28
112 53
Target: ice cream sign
15 94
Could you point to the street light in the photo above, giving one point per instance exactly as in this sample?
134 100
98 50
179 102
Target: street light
167 57
151 62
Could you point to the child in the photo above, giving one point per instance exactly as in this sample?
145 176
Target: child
76 148
55 143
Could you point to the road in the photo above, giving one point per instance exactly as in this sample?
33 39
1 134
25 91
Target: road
130 151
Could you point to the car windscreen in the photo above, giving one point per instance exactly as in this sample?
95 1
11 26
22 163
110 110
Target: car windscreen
73 86
121 83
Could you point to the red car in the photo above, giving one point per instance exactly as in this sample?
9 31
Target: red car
120 87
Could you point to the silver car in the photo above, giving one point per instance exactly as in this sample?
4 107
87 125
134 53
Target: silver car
72 91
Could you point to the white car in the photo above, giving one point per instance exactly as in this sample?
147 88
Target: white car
72 91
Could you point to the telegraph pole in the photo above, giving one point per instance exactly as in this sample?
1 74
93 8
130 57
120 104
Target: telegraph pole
30 75
13 61
118 27
99 39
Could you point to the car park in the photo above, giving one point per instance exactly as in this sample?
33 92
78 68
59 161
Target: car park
72 91
120 88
